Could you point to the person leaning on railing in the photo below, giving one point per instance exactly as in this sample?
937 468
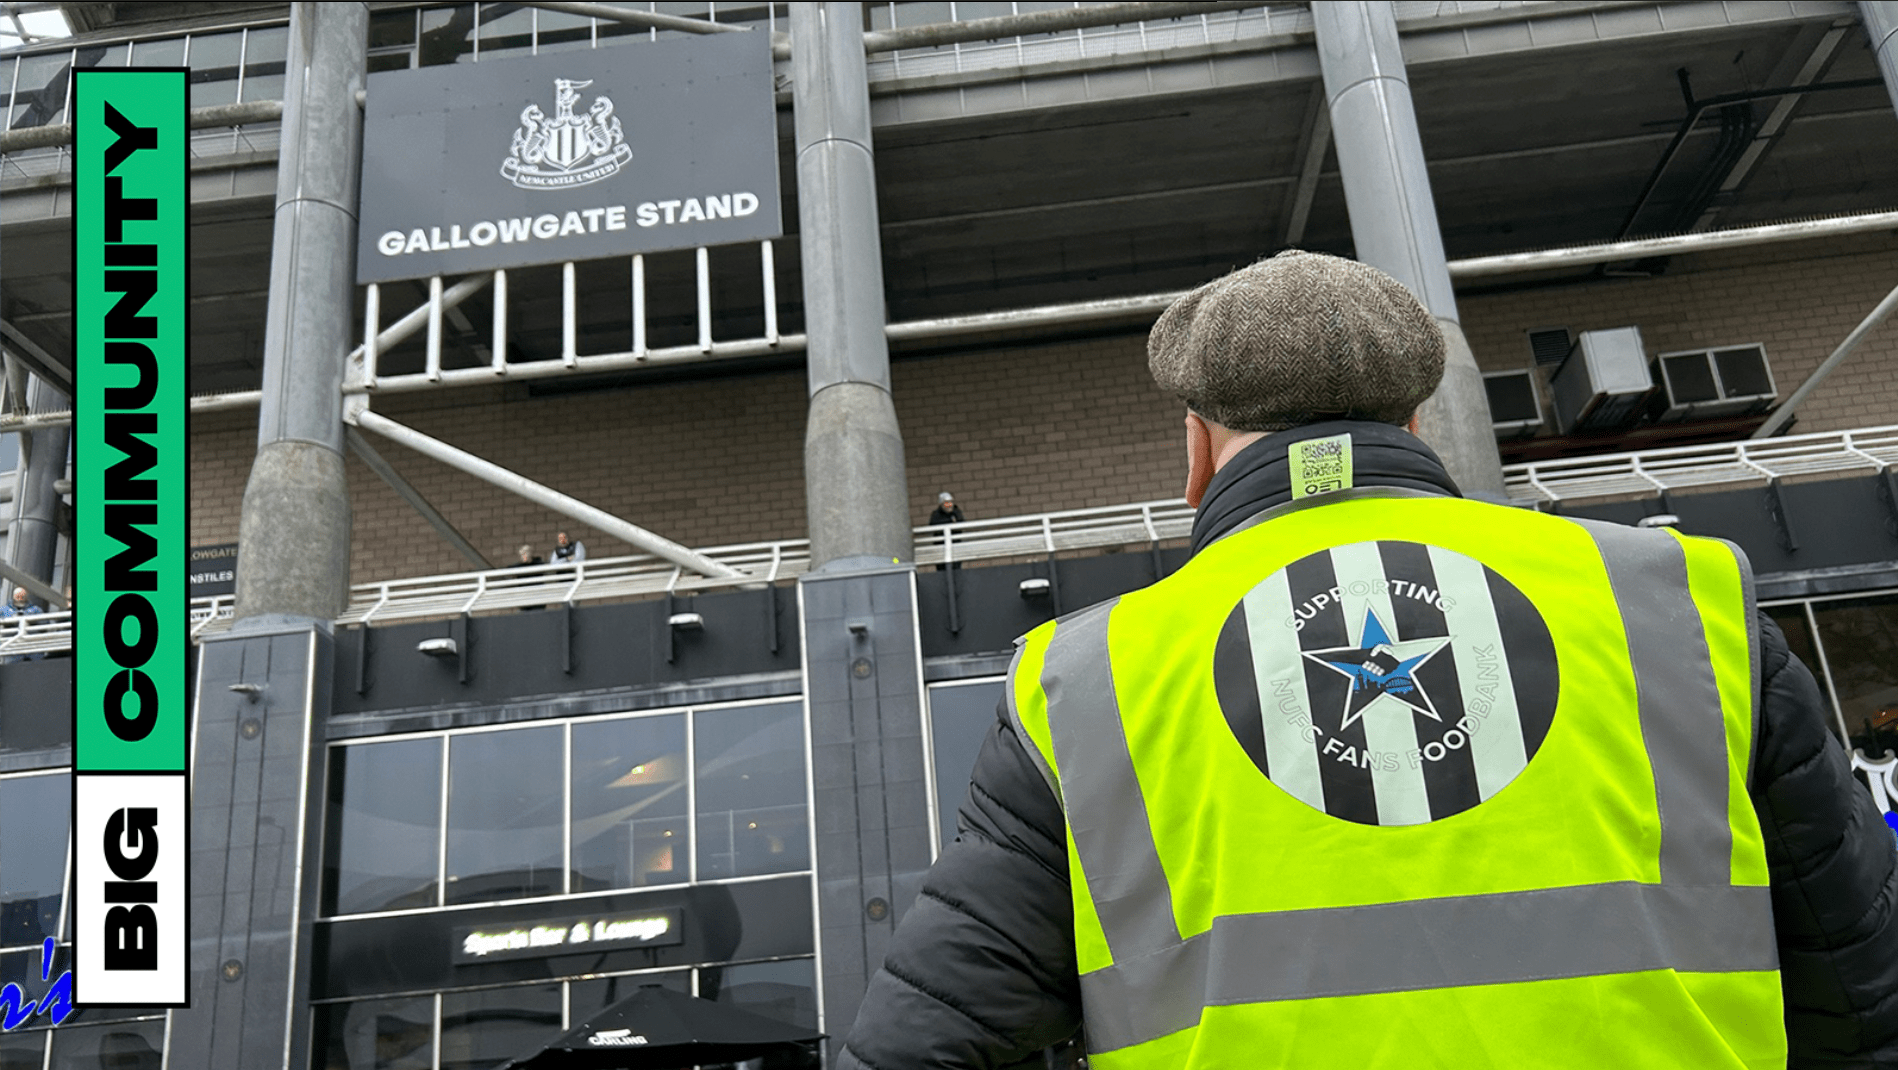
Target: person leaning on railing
20 608
946 512
1387 777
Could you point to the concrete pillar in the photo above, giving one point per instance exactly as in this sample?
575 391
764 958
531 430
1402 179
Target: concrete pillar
858 604
263 693
1394 218
856 489
1881 26
33 537
256 858
293 537
869 788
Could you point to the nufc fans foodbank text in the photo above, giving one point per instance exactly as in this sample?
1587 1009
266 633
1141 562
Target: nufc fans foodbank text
129 789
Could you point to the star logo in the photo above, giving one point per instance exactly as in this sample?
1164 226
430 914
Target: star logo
1381 669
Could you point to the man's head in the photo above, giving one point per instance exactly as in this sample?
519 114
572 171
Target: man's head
19 596
1295 339
945 501
527 554
560 539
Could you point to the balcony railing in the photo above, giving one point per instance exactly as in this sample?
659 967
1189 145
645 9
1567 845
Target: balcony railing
1867 450
1651 472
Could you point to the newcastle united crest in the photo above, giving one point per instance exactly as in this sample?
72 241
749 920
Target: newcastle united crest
568 150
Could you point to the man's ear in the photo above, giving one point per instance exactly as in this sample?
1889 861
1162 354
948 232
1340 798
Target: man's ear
1412 425
1199 458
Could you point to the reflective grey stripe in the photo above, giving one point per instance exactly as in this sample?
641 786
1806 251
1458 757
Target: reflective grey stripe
1106 812
1681 723
1021 732
1513 937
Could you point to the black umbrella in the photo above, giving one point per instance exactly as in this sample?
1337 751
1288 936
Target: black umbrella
659 1029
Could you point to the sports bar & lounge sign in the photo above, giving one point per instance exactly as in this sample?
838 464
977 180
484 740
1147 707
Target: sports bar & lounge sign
577 155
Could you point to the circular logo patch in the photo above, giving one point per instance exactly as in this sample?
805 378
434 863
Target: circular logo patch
1387 683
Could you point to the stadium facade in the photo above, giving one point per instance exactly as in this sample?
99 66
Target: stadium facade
726 746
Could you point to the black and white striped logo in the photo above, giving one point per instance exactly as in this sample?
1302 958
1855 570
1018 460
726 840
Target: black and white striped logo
1387 683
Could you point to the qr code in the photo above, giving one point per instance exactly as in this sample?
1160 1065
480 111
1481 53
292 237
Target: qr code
1323 464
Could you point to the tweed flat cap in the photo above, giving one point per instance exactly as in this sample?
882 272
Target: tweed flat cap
1295 339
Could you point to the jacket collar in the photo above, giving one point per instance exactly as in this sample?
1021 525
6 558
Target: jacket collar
1260 478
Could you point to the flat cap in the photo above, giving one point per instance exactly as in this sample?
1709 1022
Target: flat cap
1295 339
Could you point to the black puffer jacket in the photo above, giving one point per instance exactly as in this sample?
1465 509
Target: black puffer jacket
981 972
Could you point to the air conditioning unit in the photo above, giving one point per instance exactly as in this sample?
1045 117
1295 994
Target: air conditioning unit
1515 406
1604 383
1732 381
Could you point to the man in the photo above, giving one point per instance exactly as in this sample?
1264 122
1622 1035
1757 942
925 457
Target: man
20 607
946 511
568 551
1384 777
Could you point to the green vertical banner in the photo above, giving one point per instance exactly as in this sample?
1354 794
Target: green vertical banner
130 633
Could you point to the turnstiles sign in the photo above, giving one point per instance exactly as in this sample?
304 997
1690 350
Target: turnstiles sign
637 147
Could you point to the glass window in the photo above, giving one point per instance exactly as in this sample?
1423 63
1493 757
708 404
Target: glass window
119 1046
505 814
39 97
376 1034
10 451
960 717
23 1051
265 52
506 30
557 31
482 1030
921 14
1860 637
447 35
215 58
385 819
750 789
6 83
785 990
589 997
389 29
34 814
167 53
629 803
103 56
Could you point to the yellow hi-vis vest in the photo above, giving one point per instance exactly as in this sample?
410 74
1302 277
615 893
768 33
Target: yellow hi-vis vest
1403 781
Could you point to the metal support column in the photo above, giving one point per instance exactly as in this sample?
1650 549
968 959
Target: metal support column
1394 218
1881 25
33 537
862 657
263 694
856 492
294 531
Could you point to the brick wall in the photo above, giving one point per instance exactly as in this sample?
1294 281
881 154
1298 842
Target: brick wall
1009 431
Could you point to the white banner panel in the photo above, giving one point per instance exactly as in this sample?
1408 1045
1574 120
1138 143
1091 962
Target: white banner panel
129 894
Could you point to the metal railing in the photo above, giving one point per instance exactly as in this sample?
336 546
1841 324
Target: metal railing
1075 530
1647 472
38 633
758 564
